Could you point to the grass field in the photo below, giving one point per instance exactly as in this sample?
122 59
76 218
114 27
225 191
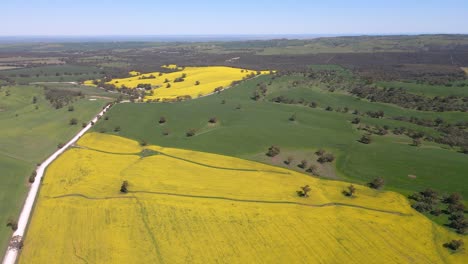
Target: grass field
197 81
27 136
186 206
249 131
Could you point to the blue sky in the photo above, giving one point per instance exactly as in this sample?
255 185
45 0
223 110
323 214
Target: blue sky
202 17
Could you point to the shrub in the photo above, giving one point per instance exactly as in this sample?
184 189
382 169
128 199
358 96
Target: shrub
168 85
162 120
83 125
356 120
60 145
273 151
143 143
73 121
289 160
117 129
165 132
197 83
71 108
377 183
213 120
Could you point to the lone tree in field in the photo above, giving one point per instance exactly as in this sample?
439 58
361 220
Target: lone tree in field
377 183
273 151
162 120
191 132
293 117
365 139
197 83
304 192
454 245
124 187
351 191
13 224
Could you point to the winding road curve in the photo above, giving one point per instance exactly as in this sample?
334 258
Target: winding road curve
12 253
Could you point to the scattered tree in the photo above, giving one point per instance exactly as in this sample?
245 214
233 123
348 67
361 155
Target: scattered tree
416 142
365 139
327 157
213 120
312 169
197 83
273 151
162 120
143 143
117 129
303 164
356 120
320 152
34 100
73 121
289 160
71 108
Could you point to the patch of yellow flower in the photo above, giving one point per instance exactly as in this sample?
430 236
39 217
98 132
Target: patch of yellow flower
134 73
89 83
188 82
465 69
187 206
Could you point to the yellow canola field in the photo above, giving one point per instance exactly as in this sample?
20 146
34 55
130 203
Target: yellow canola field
198 81
191 207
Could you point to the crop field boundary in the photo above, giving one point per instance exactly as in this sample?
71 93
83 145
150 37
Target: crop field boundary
229 199
186 160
